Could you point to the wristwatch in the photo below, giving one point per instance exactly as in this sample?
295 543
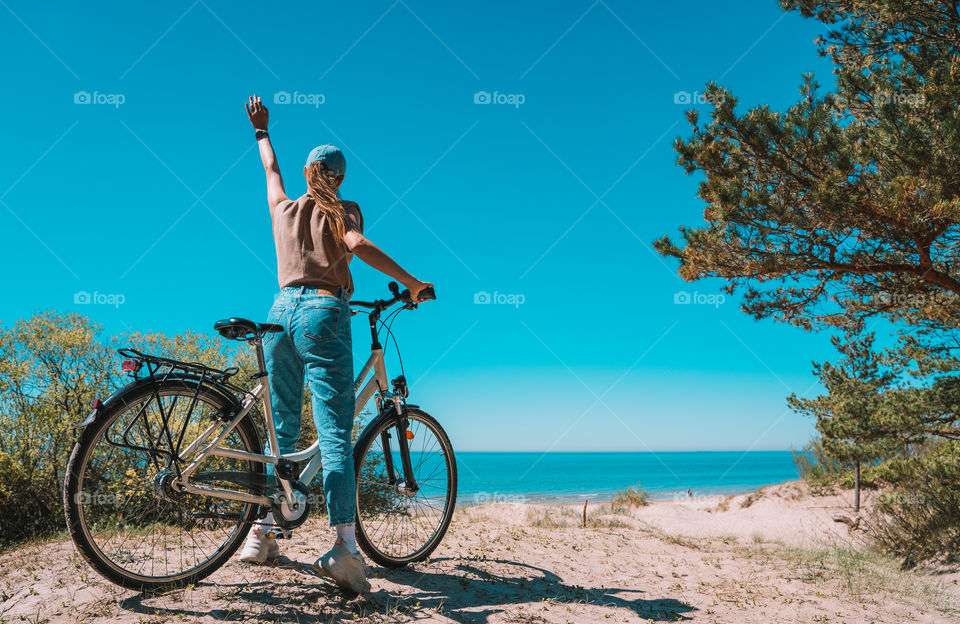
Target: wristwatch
262 134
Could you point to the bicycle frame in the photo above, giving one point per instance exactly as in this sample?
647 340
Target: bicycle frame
376 386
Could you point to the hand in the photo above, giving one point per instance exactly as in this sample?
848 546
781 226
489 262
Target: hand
415 290
257 112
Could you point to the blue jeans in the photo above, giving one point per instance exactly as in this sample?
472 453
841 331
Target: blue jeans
315 342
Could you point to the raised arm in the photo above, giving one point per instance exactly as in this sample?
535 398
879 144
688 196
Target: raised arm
259 116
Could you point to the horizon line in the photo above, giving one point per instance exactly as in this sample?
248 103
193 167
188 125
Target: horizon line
734 450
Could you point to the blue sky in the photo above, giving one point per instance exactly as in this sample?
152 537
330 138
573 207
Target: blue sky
130 169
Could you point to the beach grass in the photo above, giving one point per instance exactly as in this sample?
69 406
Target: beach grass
864 573
633 496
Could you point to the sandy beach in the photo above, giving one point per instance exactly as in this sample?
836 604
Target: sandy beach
775 555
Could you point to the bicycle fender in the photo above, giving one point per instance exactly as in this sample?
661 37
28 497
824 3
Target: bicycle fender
92 416
99 407
388 413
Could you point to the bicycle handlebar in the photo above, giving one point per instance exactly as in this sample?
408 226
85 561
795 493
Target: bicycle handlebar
382 304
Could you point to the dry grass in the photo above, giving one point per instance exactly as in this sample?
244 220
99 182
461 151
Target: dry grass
724 505
751 499
633 496
865 575
606 516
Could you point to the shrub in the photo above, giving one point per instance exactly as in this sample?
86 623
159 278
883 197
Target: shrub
52 367
816 467
633 496
918 518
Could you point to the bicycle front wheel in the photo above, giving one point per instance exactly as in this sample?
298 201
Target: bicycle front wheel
131 528
397 526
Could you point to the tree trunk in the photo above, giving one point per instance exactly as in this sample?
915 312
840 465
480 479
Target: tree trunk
856 486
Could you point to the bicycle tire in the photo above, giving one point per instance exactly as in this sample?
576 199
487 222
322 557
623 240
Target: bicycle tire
73 488
366 441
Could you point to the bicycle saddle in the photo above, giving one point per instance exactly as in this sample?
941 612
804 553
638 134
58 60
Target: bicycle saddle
239 328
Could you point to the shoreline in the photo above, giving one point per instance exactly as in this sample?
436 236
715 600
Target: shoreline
655 495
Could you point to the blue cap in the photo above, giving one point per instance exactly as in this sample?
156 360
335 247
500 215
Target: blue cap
331 155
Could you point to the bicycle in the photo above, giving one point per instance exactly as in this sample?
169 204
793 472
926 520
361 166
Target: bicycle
168 473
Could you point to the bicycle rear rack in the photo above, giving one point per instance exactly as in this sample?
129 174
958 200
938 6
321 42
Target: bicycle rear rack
146 365
156 363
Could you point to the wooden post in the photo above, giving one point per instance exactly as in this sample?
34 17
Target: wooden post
585 512
856 486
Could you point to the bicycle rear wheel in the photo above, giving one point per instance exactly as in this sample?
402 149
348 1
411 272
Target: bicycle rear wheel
125 523
396 527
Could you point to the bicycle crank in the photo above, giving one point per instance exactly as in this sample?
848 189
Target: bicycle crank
290 514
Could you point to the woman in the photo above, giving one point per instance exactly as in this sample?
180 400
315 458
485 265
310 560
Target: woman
316 235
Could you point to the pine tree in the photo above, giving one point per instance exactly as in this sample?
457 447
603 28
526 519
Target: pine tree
858 387
843 207
847 204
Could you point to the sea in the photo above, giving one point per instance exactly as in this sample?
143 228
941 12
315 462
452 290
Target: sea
488 477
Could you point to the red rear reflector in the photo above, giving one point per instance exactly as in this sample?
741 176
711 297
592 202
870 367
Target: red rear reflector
97 404
130 366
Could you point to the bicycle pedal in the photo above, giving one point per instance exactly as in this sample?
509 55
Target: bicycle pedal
278 533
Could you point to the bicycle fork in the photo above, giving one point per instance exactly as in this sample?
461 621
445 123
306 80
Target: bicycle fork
409 482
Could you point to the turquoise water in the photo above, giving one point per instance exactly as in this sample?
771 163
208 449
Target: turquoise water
513 477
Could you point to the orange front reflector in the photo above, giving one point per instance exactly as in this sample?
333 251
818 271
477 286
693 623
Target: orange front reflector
409 434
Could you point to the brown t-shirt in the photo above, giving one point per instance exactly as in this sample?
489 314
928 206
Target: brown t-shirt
308 252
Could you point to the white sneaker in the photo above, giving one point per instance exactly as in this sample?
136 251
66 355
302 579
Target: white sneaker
259 546
345 568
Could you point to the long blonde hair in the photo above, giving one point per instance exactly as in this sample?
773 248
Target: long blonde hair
322 186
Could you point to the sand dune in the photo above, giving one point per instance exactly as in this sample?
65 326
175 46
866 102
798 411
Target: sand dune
772 556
